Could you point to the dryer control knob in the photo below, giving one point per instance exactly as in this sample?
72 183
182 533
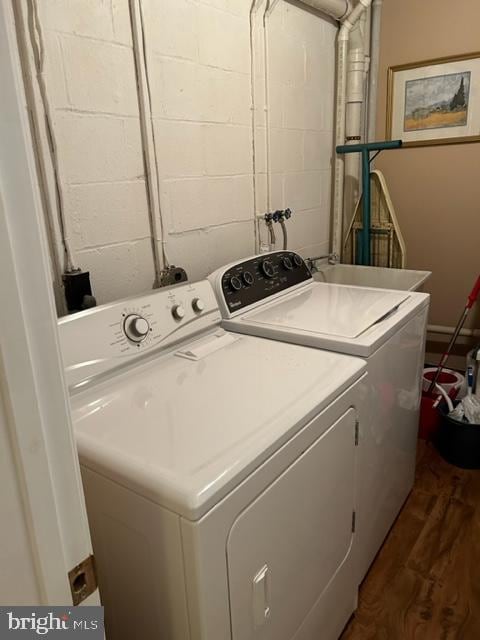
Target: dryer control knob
136 327
198 305
178 312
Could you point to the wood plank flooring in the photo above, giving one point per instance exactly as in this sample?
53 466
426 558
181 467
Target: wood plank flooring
425 581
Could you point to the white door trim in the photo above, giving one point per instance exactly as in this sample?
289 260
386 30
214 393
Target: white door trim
31 371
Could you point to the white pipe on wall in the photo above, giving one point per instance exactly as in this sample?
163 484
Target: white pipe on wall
354 111
254 25
374 64
342 61
337 9
157 231
342 10
367 34
38 120
449 331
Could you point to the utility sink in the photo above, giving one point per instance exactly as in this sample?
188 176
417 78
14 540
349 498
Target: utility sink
377 277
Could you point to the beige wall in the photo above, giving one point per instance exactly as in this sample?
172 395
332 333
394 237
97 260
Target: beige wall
435 190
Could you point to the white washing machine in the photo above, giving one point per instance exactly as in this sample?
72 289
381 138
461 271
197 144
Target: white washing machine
218 469
273 295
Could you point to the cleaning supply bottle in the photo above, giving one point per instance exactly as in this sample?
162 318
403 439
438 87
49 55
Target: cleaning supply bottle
477 372
471 403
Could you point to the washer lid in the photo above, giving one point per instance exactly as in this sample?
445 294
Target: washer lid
186 428
333 310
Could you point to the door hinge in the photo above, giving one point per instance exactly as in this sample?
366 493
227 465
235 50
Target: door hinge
354 521
357 432
83 580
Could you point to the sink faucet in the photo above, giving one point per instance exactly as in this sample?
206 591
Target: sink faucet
332 258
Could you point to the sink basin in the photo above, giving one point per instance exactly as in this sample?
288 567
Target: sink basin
377 277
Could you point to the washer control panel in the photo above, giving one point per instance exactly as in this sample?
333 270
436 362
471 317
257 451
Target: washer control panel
106 337
253 280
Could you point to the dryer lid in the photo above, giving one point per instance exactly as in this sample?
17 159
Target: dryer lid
184 429
332 310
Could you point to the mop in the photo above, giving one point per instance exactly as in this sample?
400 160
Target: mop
472 298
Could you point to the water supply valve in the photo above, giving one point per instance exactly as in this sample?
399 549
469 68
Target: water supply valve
280 215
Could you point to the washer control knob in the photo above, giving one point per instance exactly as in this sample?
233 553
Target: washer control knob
235 283
287 263
297 260
178 311
136 327
248 278
268 269
198 305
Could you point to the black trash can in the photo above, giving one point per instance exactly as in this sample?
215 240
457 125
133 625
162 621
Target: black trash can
458 442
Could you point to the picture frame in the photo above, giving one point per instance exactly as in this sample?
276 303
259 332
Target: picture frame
434 101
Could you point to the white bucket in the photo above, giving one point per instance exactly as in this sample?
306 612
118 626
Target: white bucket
449 380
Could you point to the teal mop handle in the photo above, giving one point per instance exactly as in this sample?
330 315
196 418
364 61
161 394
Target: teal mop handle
365 149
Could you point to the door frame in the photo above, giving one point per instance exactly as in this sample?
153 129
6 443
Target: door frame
32 380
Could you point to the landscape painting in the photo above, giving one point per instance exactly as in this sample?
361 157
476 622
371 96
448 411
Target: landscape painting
434 101
437 102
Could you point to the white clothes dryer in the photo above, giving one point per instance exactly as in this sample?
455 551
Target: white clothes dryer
274 296
218 472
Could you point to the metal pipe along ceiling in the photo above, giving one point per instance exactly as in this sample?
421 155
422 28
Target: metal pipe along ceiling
337 9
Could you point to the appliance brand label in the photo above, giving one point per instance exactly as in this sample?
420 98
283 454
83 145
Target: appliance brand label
51 622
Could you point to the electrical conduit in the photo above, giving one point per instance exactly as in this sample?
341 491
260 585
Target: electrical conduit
152 177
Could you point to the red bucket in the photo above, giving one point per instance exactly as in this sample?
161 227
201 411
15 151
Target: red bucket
429 416
450 380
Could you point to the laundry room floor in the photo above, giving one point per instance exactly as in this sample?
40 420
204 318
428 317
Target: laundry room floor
425 581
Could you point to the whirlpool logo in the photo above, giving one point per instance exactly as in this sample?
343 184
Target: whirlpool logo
32 622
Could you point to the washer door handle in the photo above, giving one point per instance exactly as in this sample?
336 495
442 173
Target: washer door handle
261 596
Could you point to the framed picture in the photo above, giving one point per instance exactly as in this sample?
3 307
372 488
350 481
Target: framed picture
435 101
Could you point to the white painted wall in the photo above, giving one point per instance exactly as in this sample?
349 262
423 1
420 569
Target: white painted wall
301 63
90 78
199 67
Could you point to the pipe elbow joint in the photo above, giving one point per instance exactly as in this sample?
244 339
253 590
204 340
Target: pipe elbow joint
348 10
351 18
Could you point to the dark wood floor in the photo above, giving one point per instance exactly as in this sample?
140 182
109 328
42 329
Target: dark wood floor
425 582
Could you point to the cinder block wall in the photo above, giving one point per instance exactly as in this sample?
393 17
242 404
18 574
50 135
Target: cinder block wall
90 78
199 55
